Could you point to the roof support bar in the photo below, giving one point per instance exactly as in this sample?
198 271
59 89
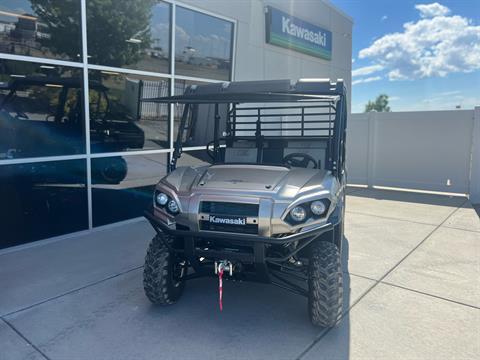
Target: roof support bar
258 136
177 152
216 126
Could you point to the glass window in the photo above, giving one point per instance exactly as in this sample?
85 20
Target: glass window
49 29
203 45
41 110
42 200
122 186
129 34
122 118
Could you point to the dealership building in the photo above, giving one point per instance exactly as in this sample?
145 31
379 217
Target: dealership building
81 146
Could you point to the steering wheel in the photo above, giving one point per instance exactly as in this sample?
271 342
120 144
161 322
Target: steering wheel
299 160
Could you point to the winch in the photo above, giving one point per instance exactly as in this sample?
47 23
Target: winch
220 268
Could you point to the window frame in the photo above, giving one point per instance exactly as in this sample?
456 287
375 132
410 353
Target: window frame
86 66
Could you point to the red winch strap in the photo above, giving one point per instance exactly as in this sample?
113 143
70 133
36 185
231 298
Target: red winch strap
220 287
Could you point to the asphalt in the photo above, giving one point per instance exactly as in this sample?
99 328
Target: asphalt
412 291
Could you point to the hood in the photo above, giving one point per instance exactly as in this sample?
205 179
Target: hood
243 177
270 179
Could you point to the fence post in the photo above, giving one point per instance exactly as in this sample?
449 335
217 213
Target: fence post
475 164
372 133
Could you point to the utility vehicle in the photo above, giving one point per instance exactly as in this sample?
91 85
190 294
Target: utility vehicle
269 207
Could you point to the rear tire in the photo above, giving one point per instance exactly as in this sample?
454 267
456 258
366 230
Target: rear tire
325 284
161 273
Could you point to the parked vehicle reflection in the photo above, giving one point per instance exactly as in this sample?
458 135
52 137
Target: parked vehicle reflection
44 117
41 200
120 200
122 109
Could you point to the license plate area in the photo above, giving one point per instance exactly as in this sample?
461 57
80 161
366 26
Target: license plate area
228 223
234 217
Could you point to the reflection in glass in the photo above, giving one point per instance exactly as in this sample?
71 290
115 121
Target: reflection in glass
121 117
122 187
194 158
129 34
41 28
42 200
41 110
180 87
203 45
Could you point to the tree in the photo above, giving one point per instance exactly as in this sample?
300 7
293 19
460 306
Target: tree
379 105
61 23
118 30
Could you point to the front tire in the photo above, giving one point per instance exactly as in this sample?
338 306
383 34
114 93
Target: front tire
325 284
162 273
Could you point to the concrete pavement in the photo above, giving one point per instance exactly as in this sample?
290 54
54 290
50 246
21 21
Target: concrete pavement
412 290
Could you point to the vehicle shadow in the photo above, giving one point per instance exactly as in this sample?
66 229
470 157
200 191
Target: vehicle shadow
334 343
477 209
254 315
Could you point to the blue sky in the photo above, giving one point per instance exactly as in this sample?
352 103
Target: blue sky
424 55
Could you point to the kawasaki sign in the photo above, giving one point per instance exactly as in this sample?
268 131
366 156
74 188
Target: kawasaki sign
292 33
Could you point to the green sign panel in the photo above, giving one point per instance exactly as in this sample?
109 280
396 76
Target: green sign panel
293 33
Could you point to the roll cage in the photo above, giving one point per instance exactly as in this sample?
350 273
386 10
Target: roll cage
313 109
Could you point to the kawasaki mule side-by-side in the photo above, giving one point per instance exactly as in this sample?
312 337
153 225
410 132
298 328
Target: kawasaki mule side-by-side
270 205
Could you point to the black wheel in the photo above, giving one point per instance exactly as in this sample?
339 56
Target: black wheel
162 273
325 286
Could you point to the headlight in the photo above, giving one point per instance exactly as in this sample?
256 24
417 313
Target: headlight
298 214
161 199
173 207
318 208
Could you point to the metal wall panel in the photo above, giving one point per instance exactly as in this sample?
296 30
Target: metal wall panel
423 150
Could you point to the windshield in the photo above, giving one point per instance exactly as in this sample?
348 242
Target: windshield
296 134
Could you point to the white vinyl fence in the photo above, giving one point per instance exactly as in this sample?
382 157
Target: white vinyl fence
424 150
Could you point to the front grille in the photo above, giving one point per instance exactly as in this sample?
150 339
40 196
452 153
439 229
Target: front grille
229 211
226 208
245 229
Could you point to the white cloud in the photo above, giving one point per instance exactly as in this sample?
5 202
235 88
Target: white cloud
367 70
431 46
396 75
383 18
202 45
366 80
449 93
432 10
182 34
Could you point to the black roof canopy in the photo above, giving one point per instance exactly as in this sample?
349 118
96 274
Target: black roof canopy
258 91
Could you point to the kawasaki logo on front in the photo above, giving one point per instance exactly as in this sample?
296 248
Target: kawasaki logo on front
229 221
296 34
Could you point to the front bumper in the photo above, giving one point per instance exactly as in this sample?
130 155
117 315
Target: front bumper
258 255
308 234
